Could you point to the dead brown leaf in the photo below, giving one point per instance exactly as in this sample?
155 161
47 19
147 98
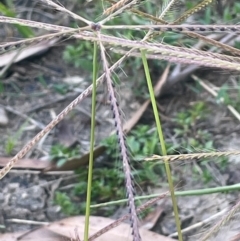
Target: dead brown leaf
151 219
10 236
65 135
25 163
122 232
76 162
66 230
16 56
40 234
135 118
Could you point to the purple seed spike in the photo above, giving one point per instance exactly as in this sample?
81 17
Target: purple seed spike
123 150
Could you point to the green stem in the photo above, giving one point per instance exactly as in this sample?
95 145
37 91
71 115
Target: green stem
161 138
205 191
90 168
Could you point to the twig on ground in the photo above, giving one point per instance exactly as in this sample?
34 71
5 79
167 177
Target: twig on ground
226 219
24 221
52 173
31 120
52 102
210 89
9 64
199 224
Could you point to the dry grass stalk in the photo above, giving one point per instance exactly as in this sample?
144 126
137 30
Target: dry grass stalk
116 6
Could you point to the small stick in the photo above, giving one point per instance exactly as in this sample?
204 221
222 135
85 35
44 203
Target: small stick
23 221
214 93
199 224
40 172
31 120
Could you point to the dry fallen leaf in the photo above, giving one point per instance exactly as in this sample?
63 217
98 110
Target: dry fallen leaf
65 134
65 230
76 162
151 219
10 236
40 234
25 163
122 232
16 56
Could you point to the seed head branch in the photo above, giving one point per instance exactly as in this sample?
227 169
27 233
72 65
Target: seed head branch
49 127
179 28
172 59
119 10
47 37
33 24
123 149
116 6
170 53
62 9
191 156
194 10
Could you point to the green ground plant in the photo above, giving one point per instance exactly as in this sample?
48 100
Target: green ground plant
142 142
107 183
72 52
229 96
108 180
142 42
12 140
200 140
62 154
7 10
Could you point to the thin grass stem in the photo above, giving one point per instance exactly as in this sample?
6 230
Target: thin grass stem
197 192
162 142
90 168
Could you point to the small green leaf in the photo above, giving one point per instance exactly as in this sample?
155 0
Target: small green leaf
61 162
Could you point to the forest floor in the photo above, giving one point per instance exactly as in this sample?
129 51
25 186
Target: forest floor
41 86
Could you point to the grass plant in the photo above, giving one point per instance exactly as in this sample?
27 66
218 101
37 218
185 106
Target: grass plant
110 39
